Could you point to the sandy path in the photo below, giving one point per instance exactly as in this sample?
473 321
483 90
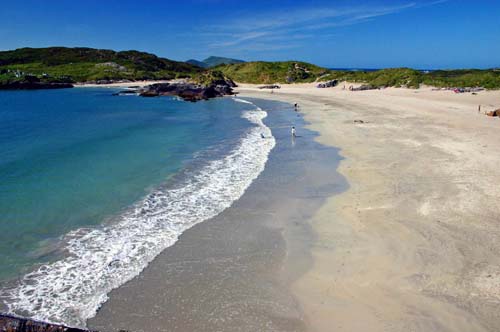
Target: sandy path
414 244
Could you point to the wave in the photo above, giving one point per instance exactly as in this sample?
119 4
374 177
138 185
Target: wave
71 290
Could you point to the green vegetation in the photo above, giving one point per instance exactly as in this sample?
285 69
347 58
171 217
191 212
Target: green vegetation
272 72
209 77
406 77
489 79
69 65
386 77
61 64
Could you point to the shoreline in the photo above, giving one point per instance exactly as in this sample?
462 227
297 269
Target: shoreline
121 84
234 271
413 240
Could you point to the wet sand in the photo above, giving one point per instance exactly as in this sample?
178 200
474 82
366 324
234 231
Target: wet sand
235 271
414 244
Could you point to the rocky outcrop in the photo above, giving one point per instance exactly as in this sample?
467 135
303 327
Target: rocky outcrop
329 84
25 85
494 113
9 323
363 87
190 91
270 86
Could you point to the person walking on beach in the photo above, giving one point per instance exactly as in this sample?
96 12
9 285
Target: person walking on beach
293 132
296 105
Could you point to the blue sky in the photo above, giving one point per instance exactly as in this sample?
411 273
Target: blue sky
368 34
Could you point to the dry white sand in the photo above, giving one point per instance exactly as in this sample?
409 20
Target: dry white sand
414 244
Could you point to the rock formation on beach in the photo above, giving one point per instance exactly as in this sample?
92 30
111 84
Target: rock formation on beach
34 85
187 91
10 323
209 85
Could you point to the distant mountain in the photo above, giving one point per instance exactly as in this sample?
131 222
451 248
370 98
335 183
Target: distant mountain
200 64
213 61
81 64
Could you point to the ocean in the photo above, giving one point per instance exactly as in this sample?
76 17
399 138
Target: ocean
94 186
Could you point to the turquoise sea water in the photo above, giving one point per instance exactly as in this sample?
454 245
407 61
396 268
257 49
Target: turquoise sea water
82 172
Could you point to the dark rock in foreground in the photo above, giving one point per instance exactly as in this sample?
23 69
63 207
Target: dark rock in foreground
25 85
190 91
9 323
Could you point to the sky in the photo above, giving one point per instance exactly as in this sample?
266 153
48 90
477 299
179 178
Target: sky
424 34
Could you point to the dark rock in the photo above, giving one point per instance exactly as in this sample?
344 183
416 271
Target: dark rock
494 113
190 91
364 87
271 86
125 92
10 323
27 85
328 84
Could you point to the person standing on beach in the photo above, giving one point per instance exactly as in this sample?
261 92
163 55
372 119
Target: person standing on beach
293 132
296 105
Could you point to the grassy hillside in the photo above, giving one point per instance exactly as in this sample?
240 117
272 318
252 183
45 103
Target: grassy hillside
489 79
87 64
385 77
406 77
272 72
62 64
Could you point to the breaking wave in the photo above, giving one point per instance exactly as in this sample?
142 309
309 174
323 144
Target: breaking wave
72 289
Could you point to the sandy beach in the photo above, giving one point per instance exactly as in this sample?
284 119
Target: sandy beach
413 244
235 272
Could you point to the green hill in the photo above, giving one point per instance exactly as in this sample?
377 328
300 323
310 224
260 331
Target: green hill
406 77
88 64
379 78
272 72
486 78
68 65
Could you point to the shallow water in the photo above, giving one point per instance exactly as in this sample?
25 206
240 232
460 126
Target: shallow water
232 272
94 186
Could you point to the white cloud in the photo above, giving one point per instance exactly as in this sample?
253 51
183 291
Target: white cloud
279 30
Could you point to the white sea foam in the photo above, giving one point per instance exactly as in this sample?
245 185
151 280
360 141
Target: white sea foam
71 290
